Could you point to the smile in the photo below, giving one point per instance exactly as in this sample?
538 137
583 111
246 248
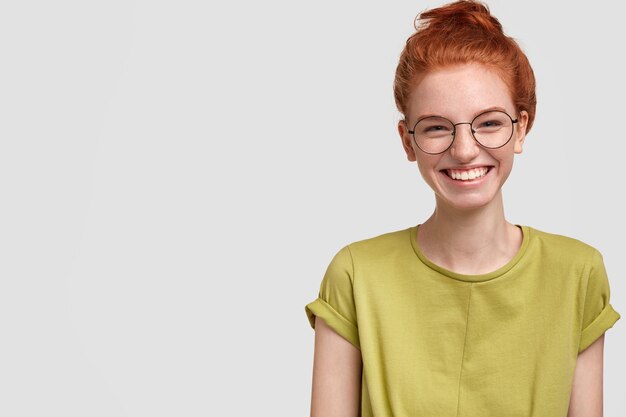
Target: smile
467 174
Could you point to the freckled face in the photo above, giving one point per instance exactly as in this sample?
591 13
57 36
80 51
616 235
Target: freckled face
459 93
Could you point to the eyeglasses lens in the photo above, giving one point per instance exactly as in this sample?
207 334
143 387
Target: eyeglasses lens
492 129
434 134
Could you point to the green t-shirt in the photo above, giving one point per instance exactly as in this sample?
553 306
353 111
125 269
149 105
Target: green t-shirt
438 343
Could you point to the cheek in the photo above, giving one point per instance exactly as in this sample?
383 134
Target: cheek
505 161
426 165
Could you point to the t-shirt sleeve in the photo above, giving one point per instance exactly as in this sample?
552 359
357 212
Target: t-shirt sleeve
599 315
335 303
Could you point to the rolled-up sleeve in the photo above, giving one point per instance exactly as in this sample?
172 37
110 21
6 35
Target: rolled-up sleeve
599 315
335 303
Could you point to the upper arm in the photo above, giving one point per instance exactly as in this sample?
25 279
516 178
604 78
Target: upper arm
337 367
587 390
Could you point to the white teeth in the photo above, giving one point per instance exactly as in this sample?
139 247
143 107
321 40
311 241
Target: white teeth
465 175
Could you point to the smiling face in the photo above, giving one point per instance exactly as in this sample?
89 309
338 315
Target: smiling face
465 176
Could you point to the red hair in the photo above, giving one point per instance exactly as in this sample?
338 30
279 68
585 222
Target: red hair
459 33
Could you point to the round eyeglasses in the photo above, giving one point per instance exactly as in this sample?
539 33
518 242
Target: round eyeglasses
491 129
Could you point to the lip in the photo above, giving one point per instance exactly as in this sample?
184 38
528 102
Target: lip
467 167
468 183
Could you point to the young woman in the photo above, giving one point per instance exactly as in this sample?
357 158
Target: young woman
464 314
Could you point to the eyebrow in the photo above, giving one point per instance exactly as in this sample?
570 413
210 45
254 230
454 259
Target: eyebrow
423 116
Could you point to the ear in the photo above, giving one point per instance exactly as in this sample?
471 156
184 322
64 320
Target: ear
407 140
520 131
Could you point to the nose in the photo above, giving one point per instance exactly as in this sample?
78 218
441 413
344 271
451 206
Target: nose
464 148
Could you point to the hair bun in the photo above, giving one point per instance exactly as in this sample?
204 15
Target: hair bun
458 16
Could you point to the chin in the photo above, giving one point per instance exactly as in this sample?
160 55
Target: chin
466 202
467 205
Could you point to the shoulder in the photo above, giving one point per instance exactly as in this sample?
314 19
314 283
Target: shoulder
362 255
561 246
381 245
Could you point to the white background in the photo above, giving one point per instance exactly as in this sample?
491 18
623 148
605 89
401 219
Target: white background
176 176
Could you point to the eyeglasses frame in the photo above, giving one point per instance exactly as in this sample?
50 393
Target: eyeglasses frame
454 125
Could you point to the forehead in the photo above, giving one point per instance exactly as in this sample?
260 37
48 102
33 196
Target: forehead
459 92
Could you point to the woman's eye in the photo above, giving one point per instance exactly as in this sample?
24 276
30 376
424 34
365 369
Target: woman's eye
434 127
490 124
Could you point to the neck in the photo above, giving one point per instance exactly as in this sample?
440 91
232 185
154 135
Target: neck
469 240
